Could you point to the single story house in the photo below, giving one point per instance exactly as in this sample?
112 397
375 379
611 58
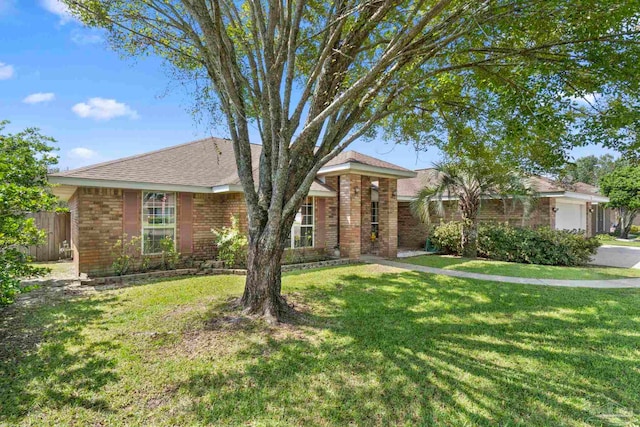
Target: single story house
576 206
357 203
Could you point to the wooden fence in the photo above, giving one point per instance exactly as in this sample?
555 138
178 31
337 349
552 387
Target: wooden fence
58 229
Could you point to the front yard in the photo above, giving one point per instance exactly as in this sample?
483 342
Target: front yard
375 346
512 269
634 241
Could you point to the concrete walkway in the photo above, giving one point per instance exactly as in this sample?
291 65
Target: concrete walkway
603 284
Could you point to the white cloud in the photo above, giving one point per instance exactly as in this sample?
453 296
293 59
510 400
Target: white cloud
82 153
87 36
36 98
58 8
6 71
103 109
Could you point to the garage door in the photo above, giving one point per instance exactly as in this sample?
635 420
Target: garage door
571 216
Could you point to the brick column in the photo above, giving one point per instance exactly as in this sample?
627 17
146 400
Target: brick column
552 214
350 221
365 215
590 220
331 223
388 222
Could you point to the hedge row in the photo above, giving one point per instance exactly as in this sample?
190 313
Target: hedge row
503 242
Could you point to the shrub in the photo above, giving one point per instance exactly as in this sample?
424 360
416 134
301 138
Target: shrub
635 229
447 237
232 244
14 265
503 242
170 256
125 252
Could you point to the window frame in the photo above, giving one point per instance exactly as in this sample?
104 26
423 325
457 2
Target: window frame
142 223
292 244
377 218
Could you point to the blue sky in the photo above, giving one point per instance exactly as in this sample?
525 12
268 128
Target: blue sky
59 76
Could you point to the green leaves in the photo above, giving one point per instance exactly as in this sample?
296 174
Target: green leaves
622 187
24 161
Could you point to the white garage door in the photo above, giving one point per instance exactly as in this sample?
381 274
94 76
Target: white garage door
571 216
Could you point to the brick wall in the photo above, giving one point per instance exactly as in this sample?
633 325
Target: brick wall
215 211
388 221
365 215
331 219
350 221
412 234
99 216
97 223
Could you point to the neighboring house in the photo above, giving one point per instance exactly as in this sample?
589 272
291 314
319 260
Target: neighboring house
570 207
182 192
357 203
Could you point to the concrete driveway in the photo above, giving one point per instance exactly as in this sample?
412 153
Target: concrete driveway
617 256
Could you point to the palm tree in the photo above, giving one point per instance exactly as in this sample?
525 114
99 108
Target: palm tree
469 181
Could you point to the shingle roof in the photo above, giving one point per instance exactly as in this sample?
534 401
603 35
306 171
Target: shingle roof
410 187
355 157
428 178
204 163
547 185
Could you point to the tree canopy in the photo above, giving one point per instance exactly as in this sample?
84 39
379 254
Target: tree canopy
622 187
24 160
312 77
469 180
590 169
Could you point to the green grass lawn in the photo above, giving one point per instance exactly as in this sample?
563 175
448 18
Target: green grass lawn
521 270
375 346
615 242
606 239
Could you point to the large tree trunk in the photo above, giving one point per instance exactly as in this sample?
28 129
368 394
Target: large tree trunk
264 278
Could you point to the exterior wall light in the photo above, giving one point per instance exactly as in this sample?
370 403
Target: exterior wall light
554 209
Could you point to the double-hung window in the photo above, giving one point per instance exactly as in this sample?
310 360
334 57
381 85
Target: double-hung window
158 220
374 220
302 230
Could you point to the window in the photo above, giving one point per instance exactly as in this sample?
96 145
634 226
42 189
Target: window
158 220
374 220
302 230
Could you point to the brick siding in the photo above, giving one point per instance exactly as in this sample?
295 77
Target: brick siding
412 233
97 223
350 220
388 221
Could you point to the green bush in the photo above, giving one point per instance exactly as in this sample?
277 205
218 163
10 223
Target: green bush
232 244
127 257
503 242
124 253
447 237
170 256
635 229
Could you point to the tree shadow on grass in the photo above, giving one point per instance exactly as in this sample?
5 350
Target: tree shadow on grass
417 349
45 360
